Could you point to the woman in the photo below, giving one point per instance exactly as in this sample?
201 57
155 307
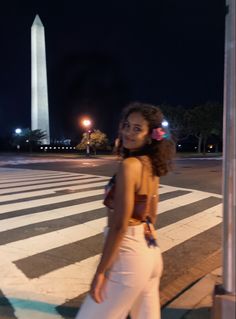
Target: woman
127 278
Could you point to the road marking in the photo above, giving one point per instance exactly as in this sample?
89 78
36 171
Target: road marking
49 185
179 232
67 282
41 202
48 160
36 182
168 237
47 215
48 192
34 245
9 178
81 273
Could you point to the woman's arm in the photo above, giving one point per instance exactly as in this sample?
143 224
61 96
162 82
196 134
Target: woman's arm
153 209
154 193
124 205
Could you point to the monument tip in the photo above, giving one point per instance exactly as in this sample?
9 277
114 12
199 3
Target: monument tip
37 21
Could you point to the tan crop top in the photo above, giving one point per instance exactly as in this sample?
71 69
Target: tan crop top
140 200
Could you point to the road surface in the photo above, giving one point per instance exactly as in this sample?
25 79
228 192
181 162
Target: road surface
51 230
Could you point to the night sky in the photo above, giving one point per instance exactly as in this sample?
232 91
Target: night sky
103 54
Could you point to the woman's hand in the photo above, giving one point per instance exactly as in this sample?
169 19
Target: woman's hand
98 285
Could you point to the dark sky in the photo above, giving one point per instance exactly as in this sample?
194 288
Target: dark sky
103 54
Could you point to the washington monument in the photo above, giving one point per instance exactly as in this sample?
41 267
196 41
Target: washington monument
39 89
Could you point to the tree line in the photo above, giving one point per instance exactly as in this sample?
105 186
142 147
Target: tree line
201 122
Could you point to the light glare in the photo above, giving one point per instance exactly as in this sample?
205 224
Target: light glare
165 123
86 123
18 130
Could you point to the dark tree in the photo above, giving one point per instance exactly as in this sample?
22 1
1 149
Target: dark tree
203 121
176 117
28 138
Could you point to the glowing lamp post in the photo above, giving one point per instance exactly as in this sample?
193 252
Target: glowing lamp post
165 123
18 132
87 124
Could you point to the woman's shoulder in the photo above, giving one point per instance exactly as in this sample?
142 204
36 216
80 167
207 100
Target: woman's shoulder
131 164
131 161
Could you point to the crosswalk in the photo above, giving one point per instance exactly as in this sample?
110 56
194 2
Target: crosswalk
35 161
40 160
51 234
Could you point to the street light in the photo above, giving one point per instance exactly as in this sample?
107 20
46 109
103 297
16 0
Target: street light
18 132
87 124
165 123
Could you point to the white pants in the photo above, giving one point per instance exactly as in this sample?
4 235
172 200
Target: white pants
133 282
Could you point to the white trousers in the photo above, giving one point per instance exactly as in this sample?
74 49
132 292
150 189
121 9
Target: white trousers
133 282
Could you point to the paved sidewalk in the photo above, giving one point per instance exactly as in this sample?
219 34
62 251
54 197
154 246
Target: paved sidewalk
195 302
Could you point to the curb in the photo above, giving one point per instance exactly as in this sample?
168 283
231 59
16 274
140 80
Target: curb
195 302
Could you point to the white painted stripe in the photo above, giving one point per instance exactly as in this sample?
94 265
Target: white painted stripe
163 207
73 280
25 177
24 220
182 200
166 189
77 277
41 243
38 160
169 236
15 284
43 181
16 287
11 173
181 231
32 172
5 171
10 170
171 188
31 219
56 185
178 201
194 190
5 198
68 282
47 201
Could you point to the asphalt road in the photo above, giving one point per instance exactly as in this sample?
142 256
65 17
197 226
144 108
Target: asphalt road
201 174
190 195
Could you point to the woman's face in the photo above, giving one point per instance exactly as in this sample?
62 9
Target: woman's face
135 132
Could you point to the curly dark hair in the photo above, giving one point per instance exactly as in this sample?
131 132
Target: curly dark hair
161 152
